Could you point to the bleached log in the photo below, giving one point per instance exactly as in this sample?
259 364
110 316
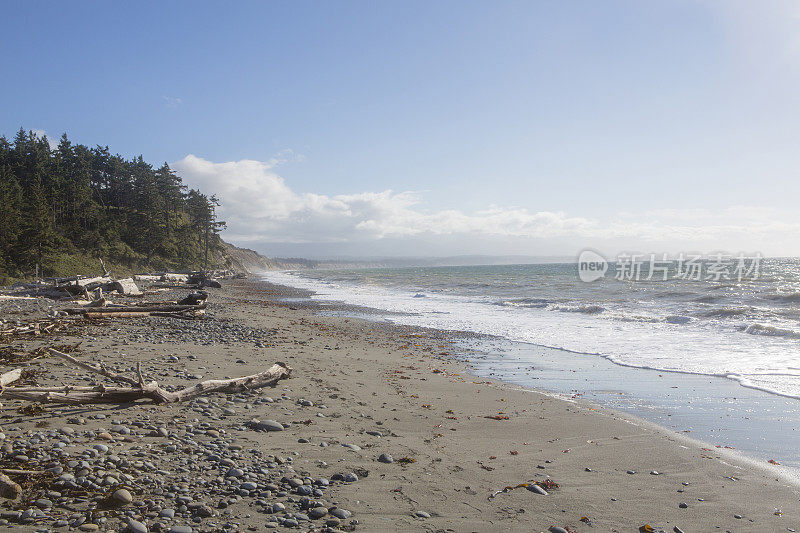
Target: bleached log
133 310
100 280
124 286
150 391
10 377
175 278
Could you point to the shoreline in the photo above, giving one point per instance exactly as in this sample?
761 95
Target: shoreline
755 405
365 389
516 328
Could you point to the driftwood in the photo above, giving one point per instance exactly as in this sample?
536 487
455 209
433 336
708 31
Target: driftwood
201 280
10 377
137 388
121 311
124 286
195 298
33 328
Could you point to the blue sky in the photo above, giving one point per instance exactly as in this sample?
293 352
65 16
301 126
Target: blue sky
499 127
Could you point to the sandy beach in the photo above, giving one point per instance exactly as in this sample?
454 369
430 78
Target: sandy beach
380 430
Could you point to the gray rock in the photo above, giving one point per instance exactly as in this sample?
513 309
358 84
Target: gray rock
122 496
422 514
317 512
268 425
134 526
43 503
181 529
556 529
342 514
385 458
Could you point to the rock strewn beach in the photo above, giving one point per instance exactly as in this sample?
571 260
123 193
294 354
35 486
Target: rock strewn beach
378 429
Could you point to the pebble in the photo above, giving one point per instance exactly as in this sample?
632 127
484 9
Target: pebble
122 496
268 425
317 512
385 458
683 505
134 526
341 514
422 514
181 529
556 529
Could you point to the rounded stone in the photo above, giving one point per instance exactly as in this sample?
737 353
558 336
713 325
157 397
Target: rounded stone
317 512
341 514
134 526
269 425
122 496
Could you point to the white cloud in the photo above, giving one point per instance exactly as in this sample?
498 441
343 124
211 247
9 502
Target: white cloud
172 101
259 206
53 142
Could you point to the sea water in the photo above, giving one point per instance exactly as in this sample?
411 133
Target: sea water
747 330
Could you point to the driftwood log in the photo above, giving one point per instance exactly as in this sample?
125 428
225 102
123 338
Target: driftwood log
168 310
137 388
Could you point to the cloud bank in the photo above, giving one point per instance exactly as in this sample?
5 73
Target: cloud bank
260 207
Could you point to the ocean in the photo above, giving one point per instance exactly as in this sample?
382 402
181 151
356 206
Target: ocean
745 330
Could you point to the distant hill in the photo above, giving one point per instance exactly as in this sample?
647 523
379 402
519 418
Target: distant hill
247 260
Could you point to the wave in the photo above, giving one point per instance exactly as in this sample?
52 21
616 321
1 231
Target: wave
678 319
585 309
726 312
771 331
531 303
688 340
707 299
792 297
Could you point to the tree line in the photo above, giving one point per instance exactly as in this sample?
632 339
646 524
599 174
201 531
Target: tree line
73 199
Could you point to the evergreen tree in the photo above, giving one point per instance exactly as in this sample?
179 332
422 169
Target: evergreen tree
74 199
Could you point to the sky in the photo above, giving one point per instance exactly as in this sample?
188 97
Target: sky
361 128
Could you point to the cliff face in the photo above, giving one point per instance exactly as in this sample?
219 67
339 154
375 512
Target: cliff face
246 260
251 262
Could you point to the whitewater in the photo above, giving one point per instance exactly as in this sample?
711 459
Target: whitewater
746 330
